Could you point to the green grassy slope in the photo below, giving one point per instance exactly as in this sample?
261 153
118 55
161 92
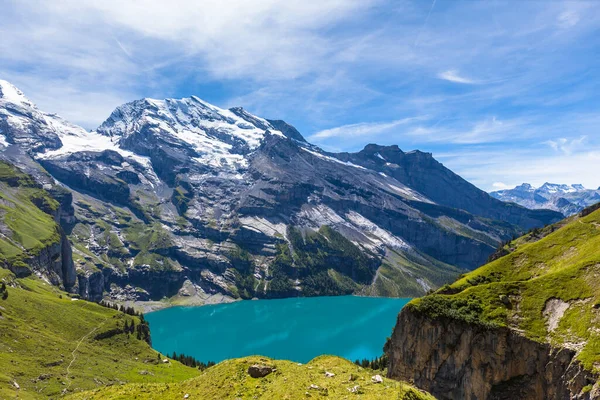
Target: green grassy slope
25 229
48 344
558 264
230 380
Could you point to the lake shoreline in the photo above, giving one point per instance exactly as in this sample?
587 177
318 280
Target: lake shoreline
147 307
294 328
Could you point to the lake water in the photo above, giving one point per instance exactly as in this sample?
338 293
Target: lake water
296 329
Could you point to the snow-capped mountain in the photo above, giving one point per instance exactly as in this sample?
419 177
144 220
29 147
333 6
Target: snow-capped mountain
567 199
180 198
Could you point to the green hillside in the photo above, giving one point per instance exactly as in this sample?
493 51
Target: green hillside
26 226
547 285
52 344
230 380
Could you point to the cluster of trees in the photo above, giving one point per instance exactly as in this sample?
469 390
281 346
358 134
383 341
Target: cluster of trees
191 361
376 363
4 291
127 310
142 330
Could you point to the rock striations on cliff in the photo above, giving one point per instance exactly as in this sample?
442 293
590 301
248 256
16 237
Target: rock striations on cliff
525 326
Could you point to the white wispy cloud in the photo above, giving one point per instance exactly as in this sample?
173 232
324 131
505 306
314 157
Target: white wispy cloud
501 186
89 45
488 130
454 76
519 76
566 145
362 129
568 19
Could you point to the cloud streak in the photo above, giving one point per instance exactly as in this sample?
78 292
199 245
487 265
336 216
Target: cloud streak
453 76
486 75
367 129
567 146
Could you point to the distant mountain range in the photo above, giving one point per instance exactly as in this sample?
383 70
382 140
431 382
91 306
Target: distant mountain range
567 199
179 200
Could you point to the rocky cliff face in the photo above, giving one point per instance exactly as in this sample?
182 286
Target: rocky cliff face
31 238
524 326
178 190
455 360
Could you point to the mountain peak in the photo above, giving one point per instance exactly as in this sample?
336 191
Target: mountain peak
524 186
12 94
374 148
568 199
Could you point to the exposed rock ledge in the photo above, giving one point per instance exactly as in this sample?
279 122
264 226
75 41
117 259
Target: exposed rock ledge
455 360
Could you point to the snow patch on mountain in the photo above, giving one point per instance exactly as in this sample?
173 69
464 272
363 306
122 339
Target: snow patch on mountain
11 94
333 159
3 141
220 138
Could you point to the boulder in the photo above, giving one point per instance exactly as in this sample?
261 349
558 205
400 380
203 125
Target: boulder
260 370
354 389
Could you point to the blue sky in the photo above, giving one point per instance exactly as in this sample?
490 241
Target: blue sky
502 92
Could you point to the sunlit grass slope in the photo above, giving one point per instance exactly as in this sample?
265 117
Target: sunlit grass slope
230 380
559 263
50 344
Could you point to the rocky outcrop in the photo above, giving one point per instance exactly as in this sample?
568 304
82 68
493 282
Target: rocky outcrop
53 261
455 360
91 285
260 370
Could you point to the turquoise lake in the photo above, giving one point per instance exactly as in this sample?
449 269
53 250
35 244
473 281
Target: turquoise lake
296 329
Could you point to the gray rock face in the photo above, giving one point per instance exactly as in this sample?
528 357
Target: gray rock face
260 370
172 191
567 199
455 360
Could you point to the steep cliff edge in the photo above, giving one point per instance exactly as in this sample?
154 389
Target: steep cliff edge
455 360
31 238
525 326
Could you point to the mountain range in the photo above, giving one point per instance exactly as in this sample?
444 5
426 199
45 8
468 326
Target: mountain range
180 200
567 199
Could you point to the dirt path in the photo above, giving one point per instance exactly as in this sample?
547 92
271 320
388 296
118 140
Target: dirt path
73 353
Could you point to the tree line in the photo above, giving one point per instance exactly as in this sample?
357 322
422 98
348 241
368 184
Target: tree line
141 330
379 363
127 310
191 361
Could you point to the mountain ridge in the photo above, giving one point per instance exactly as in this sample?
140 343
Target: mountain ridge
567 199
179 199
